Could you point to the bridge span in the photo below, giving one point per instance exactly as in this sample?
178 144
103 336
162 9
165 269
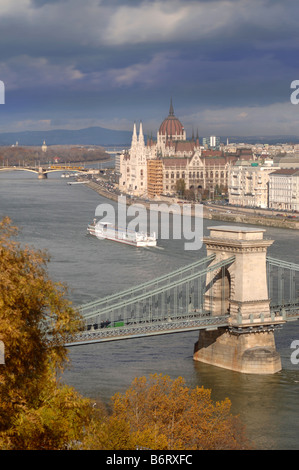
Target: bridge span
43 171
100 333
236 297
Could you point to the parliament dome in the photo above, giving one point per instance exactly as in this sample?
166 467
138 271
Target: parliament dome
171 126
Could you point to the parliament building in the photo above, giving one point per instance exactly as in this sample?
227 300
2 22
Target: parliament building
158 167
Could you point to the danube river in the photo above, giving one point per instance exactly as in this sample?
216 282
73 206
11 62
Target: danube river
53 216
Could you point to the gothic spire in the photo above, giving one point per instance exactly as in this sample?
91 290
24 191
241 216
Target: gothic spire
171 111
141 138
134 136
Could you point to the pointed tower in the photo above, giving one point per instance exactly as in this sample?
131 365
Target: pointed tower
197 140
134 136
171 111
141 137
171 128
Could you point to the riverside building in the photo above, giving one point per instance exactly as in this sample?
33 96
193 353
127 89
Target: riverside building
284 189
249 184
158 167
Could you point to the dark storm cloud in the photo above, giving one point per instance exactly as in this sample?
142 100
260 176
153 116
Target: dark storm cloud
126 58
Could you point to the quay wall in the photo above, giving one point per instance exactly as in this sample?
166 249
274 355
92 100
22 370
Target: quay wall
283 222
216 214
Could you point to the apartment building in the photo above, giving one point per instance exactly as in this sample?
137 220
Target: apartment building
248 185
284 189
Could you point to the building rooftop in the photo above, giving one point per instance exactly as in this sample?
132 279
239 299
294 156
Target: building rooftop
286 172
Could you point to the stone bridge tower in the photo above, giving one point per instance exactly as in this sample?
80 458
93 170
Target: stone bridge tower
239 290
42 175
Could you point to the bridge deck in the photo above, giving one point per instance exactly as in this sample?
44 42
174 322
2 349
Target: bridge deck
279 315
149 329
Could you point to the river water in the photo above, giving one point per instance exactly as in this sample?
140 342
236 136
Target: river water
53 216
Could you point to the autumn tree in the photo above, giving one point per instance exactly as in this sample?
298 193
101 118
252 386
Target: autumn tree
37 412
35 320
160 413
180 187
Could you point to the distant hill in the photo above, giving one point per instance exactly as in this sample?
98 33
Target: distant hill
88 136
107 137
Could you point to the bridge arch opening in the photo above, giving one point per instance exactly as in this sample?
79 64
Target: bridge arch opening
218 292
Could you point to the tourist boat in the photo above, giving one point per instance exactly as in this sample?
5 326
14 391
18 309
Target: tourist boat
105 230
77 182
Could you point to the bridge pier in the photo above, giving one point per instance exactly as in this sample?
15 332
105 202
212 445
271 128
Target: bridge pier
41 174
247 345
249 353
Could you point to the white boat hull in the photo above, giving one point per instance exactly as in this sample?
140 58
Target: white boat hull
133 239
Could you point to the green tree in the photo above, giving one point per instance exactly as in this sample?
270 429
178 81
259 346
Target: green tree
180 187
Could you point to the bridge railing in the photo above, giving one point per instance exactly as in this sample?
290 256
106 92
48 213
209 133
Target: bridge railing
149 329
277 315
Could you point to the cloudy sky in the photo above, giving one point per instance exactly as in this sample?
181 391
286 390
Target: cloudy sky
227 64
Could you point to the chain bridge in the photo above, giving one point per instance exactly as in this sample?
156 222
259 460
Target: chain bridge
175 303
236 289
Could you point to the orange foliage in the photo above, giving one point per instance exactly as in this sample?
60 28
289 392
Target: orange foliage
164 414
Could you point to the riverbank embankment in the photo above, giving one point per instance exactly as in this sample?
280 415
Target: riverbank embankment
212 212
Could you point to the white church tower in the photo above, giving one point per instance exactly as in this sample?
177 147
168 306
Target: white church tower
133 166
